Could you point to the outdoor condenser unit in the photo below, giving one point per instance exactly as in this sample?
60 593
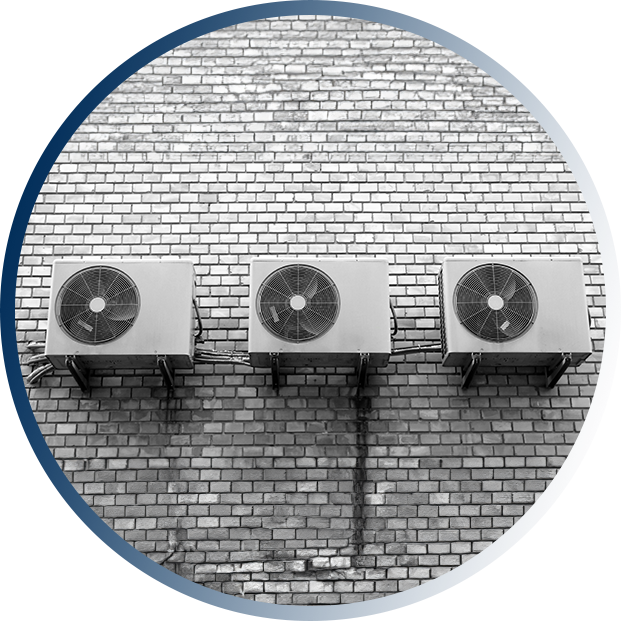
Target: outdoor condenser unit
514 312
319 312
121 314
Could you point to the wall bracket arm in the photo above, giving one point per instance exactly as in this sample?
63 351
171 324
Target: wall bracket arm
79 373
468 372
275 364
363 369
167 370
556 370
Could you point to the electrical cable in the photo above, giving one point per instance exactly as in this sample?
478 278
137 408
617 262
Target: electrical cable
214 356
418 349
220 361
198 335
38 373
36 359
218 355
231 352
40 363
394 318
35 345
221 355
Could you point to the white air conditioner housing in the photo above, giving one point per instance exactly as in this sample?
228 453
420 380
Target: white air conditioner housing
319 312
121 313
524 311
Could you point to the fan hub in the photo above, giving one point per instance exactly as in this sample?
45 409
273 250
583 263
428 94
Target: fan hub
495 302
297 302
97 305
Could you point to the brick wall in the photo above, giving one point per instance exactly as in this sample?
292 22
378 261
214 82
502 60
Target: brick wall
321 136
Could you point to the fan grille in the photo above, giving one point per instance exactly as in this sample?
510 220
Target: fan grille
495 302
97 305
298 303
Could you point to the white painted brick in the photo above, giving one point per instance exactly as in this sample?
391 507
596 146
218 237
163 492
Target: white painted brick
324 136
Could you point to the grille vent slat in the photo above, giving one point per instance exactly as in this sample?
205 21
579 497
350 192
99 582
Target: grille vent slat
495 302
298 303
97 305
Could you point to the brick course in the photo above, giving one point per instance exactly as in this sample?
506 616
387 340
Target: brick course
323 136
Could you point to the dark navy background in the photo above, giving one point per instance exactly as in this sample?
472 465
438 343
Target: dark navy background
59 559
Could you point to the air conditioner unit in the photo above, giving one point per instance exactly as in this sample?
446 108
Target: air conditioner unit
319 312
514 312
121 314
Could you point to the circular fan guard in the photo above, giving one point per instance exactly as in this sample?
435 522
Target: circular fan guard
298 303
97 305
495 302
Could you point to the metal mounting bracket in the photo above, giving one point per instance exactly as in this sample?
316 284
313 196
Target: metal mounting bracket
275 364
468 372
363 368
556 370
165 366
77 370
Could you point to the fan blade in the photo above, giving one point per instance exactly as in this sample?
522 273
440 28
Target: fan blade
106 285
479 310
120 312
307 328
311 290
290 325
83 280
508 290
97 304
298 303
82 325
